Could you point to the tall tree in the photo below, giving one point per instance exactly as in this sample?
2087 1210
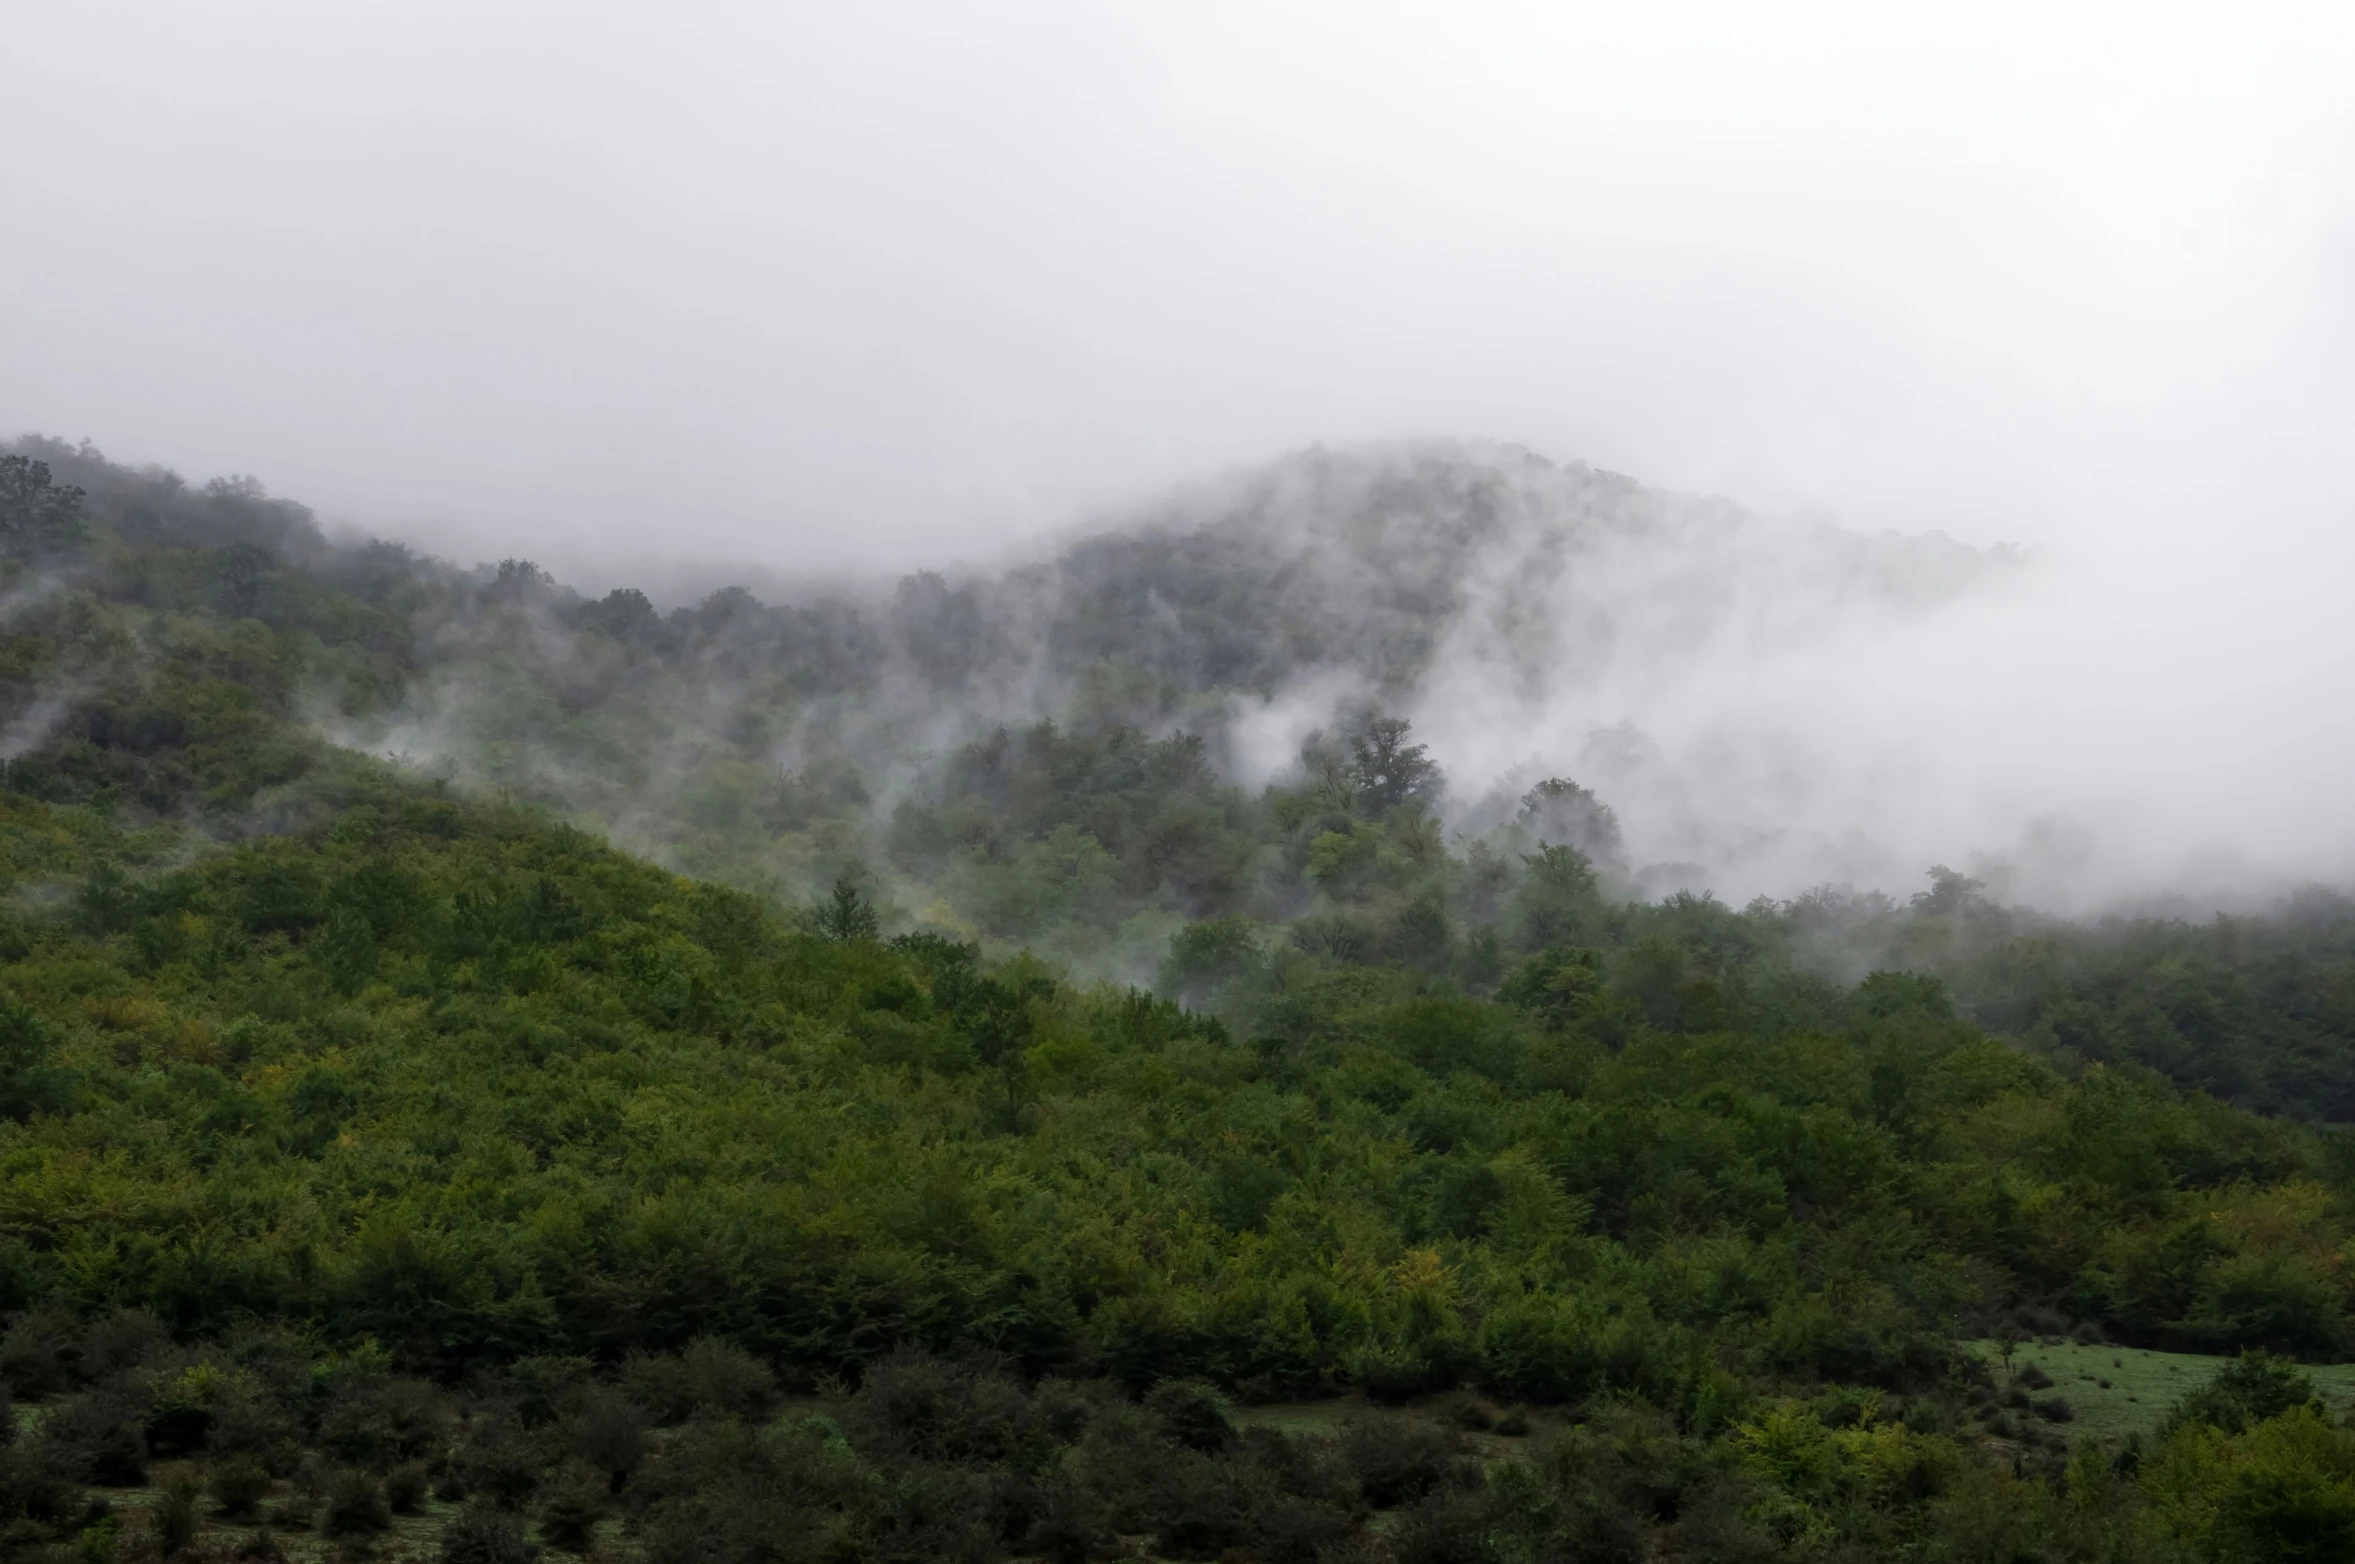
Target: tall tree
38 518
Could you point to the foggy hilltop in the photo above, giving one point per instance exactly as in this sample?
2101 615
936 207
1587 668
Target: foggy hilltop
1341 705
1526 616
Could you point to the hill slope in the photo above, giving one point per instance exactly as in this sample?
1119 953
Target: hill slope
381 1136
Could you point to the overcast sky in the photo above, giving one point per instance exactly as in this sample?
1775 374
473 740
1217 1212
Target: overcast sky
818 288
816 284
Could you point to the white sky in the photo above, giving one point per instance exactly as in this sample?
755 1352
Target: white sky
815 287
826 284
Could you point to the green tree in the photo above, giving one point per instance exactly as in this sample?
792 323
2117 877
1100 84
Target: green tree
1387 770
38 518
846 916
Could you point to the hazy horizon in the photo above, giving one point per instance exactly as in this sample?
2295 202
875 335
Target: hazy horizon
799 295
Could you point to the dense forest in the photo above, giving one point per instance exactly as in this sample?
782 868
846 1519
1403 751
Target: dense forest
485 1070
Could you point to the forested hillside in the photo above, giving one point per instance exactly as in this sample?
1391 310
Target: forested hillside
390 1163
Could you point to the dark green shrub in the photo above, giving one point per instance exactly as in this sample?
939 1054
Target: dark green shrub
100 1439
917 1406
239 1484
728 1381
38 1488
173 1515
1396 1459
721 1493
122 1340
569 1515
1445 1528
545 1389
40 1352
657 1384
379 1422
1195 1415
1198 1508
480 1534
608 1431
500 1465
1397 1374
1289 1529
934 1512
259 1547
1067 1522
1471 1417
355 1506
249 1421
1120 1458
405 1488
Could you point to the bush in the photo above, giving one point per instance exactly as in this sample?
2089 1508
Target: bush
37 1489
479 1534
376 1423
1066 1522
2242 1394
120 1341
39 1353
727 1381
2291 1495
405 1488
657 1384
721 1493
568 1519
248 1422
609 1432
355 1506
100 1440
501 1465
173 1514
239 1485
1198 1508
1397 1460
546 1389
1195 1415
1289 1529
1446 1528
921 1407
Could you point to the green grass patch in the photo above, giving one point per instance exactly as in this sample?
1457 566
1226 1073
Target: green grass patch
2116 1391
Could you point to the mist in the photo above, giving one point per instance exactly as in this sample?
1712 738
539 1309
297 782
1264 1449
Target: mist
790 296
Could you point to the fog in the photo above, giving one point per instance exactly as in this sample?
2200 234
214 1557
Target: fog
677 292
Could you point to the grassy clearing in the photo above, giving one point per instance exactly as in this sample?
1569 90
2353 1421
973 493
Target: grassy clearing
2116 1391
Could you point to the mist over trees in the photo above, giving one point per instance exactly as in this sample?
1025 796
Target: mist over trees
916 1073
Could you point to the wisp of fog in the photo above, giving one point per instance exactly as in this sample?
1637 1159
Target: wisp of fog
1983 374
